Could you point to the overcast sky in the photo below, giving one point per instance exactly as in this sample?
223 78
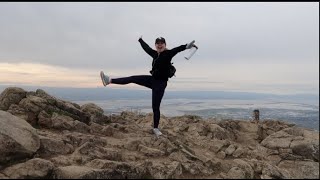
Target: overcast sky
255 47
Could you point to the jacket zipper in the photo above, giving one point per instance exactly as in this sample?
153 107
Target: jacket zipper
154 61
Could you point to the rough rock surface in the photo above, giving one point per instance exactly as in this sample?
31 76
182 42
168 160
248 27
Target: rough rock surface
18 139
72 141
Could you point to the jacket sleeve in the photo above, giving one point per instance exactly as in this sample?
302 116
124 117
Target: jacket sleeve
147 48
178 49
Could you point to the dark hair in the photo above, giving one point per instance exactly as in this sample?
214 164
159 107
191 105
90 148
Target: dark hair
160 39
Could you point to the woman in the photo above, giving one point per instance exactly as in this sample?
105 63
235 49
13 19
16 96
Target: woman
157 81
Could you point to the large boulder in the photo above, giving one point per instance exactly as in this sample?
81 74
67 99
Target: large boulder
305 149
22 113
50 99
73 111
11 95
95 112
61 122
278 140
18 139
29 108
33 104
34 168
295 142
268 127
308 146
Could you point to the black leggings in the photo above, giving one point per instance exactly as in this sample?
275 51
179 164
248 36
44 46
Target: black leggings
158 87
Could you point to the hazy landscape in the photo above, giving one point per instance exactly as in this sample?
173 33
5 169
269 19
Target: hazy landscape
301 109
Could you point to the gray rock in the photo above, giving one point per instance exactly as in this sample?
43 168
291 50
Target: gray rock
11 95
152 152
269 171
238 152
95 112
221 154
217 145
18 139
34 168
44 120
50 99
245 167
300 169
18 111
195 168
49 146
91 150
164 170
218 132
2 176
278 140
62 160
236 173
274 159
85 172
62 122
305 149
96 128
72 109
81 127
78 172
122 169
33 104
230 150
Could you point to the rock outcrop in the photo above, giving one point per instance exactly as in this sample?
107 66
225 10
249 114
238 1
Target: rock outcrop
45 137
18 139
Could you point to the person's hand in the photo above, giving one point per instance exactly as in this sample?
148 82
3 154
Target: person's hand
190 45
195 46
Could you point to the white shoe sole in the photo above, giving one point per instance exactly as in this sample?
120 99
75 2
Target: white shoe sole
102 78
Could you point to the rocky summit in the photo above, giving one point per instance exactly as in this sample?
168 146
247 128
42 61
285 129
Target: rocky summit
42 136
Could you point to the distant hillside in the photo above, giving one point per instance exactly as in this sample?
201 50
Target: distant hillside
82 94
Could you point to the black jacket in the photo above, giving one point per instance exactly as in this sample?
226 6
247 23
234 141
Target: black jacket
161 62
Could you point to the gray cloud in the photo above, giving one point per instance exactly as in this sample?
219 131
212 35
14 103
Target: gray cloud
104 35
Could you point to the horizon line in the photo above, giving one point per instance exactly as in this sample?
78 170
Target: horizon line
139 89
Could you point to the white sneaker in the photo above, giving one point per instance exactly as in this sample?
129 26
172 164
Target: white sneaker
105 79
156 132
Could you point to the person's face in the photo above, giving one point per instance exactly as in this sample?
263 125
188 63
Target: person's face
160 46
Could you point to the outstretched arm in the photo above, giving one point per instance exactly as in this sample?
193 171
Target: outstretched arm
178 49
147 48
